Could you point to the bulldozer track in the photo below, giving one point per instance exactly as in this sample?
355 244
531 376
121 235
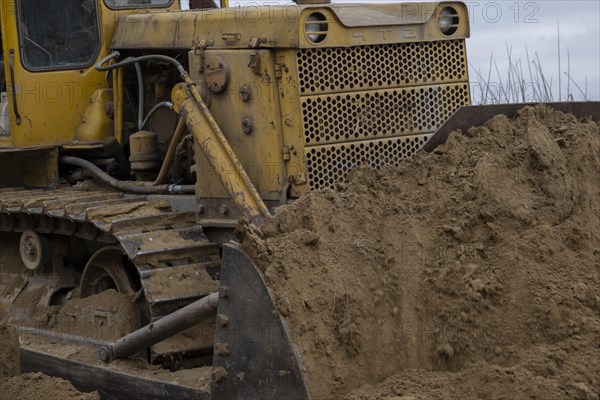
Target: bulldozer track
275 358
158 234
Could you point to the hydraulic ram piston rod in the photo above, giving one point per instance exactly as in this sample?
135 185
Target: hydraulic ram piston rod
162 329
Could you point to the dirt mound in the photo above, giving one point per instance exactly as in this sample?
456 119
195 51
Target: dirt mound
9 351
480 260
478 381
29 386
39 386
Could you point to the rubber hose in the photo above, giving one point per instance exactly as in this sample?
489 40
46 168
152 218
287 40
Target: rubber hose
127 186
154 109
129 61
140 79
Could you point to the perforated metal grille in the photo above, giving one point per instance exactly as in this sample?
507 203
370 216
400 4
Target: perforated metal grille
351 116
328 70
329 164
374 105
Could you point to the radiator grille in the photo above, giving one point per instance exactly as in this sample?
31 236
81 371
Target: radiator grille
374 105
352 116
328 165
329 70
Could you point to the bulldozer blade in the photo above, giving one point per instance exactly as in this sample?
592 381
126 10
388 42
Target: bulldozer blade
254 356
110 384
469 116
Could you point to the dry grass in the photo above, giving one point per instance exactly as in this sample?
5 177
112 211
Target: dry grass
522 83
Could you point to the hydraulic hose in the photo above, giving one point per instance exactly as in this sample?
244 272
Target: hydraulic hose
154 109
143 121
208 134
140 79
136 61
133 60
127 186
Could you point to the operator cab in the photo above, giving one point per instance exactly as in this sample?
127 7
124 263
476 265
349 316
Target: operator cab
54 96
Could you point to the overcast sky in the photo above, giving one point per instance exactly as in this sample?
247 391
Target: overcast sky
536 27
532 25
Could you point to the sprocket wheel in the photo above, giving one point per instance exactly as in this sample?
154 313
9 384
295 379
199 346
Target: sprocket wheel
105 270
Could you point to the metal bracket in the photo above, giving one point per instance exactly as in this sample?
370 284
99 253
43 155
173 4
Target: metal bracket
227 36
256 42
199 51
254 63
278 70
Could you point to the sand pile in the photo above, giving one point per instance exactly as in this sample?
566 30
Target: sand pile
471 272
105 316
9 351
40 386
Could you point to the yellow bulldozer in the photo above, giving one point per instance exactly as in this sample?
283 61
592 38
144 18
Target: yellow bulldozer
134 135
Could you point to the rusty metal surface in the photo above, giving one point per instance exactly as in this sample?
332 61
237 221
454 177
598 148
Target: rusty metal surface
110 384
177 264
470 116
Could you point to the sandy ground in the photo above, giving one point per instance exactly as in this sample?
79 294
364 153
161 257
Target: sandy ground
469 273
17 386
40 386
9 351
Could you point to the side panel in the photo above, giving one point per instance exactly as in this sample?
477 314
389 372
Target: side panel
248 111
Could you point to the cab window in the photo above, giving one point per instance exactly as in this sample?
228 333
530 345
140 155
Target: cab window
58 34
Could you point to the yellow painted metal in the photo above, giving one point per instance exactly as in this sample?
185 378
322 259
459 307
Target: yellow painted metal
118 103
365 107
58 107
95 124
219 154
327 165
291 121
271 26
247 111
380 113
364 87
